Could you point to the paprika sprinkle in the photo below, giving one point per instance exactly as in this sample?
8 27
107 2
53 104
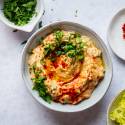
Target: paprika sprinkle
123 30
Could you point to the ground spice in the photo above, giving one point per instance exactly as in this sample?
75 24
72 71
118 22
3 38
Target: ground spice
64 65
123 30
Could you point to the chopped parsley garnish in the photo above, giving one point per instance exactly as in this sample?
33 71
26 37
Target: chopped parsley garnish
39 84
19 11
58 35
48 49
41 88
52 59
59 52
74 48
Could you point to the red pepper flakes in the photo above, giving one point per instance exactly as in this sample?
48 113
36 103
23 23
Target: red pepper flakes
50 75
123 36
123 30
45 67
71 92
64 65
55 64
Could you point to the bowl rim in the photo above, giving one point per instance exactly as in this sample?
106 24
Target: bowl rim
109 30
27 27
71 23
111 104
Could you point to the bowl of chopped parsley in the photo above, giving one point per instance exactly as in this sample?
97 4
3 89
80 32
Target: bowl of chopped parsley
21 14
36 76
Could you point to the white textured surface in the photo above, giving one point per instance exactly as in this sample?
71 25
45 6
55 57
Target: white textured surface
17 107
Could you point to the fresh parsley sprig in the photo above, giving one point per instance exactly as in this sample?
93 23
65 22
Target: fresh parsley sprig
19 11
72 49
41 88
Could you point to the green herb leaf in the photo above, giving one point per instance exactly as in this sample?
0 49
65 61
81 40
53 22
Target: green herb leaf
41 88
80 57
73 48
19 12
52 59
48 49
58 35
58 52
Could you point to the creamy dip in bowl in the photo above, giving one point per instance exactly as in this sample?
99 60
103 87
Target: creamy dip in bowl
66 63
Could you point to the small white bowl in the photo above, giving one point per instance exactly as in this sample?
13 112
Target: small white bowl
115 34
28 27
100 90
112 106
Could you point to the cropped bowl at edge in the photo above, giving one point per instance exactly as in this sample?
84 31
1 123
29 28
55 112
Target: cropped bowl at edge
31 24
112 106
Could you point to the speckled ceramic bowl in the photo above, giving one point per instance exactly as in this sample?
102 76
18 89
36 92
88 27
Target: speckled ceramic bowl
112 106
99 91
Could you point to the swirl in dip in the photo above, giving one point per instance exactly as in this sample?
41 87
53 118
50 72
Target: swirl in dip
66 67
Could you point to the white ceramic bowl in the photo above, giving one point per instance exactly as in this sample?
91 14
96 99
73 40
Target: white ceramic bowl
101 89
112 105
28 27
115 34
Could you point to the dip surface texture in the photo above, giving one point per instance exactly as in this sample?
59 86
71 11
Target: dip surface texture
69 64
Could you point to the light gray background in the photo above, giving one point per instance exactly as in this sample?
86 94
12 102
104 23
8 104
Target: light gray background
17 107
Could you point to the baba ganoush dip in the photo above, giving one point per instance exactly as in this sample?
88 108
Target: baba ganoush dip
66 67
